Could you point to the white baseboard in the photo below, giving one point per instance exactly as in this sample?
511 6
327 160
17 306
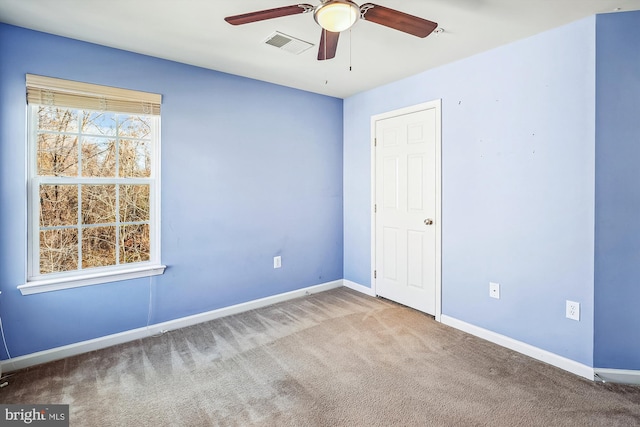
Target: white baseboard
521 347
622 376
57 353
358 287
609 375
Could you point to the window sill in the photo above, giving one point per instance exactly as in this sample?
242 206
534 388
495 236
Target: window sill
48 285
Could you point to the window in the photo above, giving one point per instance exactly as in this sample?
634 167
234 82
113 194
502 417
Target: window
93 182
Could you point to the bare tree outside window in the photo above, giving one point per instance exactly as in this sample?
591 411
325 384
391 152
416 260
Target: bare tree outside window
93 212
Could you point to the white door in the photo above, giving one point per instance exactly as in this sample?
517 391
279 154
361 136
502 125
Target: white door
407 206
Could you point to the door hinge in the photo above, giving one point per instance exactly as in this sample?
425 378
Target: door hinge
375 274
375 208
375 142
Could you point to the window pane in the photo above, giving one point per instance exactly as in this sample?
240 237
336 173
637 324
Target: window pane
90 188
98 204
135 158
57 119
58 205
57 155
58 250
98 157
134 243
99 123
98 246
135 126
134 203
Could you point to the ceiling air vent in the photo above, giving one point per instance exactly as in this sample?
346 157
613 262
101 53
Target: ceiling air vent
288 43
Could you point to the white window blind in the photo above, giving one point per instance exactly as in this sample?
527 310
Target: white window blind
66 93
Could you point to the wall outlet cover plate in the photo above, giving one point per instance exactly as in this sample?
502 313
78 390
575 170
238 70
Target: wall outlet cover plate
573 310
494 290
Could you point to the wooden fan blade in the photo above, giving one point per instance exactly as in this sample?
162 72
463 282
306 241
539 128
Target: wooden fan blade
261 15
328 45
397 20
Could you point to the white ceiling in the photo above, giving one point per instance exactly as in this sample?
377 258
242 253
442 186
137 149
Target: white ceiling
194 32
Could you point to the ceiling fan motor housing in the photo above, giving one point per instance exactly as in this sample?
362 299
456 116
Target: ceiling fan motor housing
336 15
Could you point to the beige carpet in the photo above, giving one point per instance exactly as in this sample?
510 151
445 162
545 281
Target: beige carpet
337 358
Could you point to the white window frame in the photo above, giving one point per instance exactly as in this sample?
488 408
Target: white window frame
36 282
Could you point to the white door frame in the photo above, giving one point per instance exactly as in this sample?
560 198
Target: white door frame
437 104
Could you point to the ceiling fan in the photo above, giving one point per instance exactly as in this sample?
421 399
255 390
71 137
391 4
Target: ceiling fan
335 16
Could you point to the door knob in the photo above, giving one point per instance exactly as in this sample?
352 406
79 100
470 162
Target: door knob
428 221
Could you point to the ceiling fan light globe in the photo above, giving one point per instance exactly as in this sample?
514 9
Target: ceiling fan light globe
336 15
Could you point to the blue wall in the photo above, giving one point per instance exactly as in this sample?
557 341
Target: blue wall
518 146
250 170
617 250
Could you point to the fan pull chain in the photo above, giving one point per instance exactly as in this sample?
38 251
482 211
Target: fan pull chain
324 37
350 42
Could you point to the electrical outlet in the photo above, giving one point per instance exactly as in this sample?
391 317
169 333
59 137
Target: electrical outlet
573 310
277 261
494 290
